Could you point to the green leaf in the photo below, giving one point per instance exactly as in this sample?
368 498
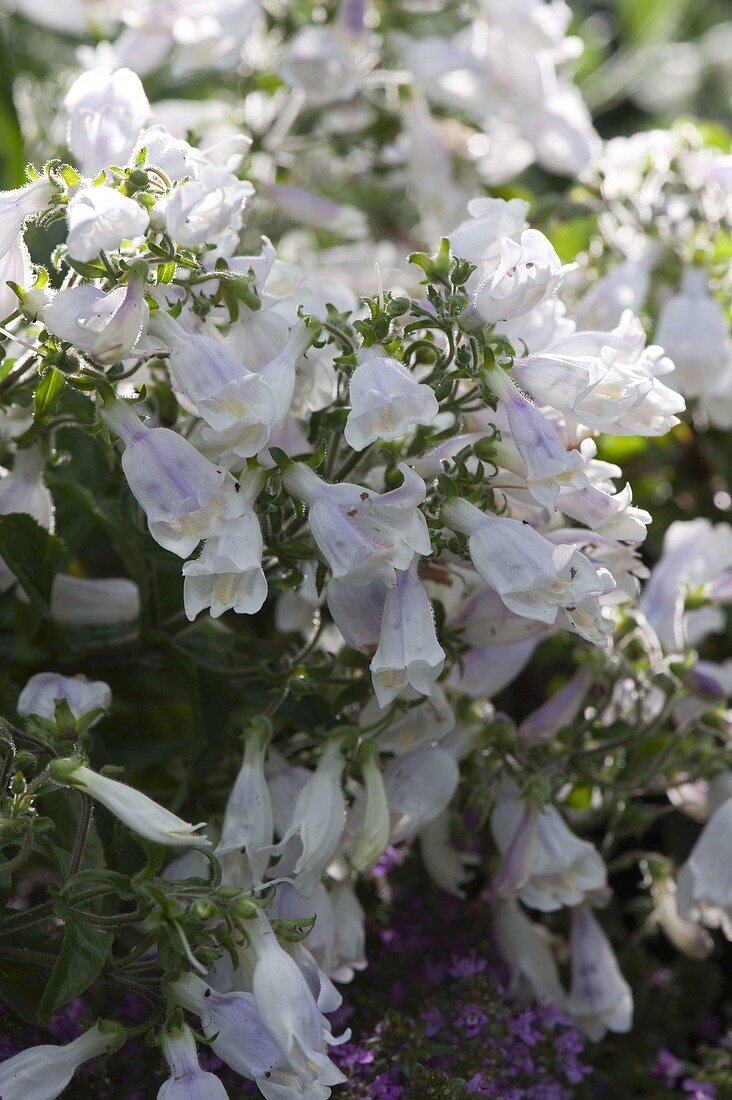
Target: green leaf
32 555
83 953
47 393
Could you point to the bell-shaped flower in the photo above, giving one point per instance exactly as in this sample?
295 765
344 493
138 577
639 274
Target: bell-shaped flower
16 206
419 785
611 514
288 1008
15 267
363 535
704 883
532 965
94 601
232 1022
106 111
527 272
425 722
318 819
447 866
558 711
187 1081
408 654
600 999
228 575
224 392
386 400
693 330
350 931
519 857
45 689
248 821
486 670
102 218
22 489
548 465
375 824
688 936
208 210
322 64
138 812
478 239
533 577
185 497
357 612
122 330
606 380
624 287
560 868
43 1072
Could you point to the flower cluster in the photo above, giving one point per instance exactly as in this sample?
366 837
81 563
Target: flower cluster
316 555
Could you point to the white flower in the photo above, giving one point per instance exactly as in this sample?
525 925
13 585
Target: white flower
548 467
692 329
528 955
408 654
419 786
606 380
704 884
533 577
373 834
363 535
43 1072
15 267
138 812
22 489
106 111
218 582
561 869
92 601
288 1008
187 1080
624 288
185 497
319 62
248 822
17 205
386 400
600 998
695 554
233 1024
446 865
102 218
357 611
208 210
527 273
478 239
318 819
687 936
350 932
40 694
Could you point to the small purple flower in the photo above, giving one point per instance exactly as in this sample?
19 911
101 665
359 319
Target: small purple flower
467 966
433 1021
471 1020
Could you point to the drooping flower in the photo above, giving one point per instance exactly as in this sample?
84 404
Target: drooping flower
408 653
600 998
101 218
373 835
233 1024
704 884
187 1081
135 809
560 869
185 497
318 819
419 785
92 601
106 110
363 535
386 400
692 329
533 577
527 272
248 821
16 206
208 209
527 954
558 711
43 1072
